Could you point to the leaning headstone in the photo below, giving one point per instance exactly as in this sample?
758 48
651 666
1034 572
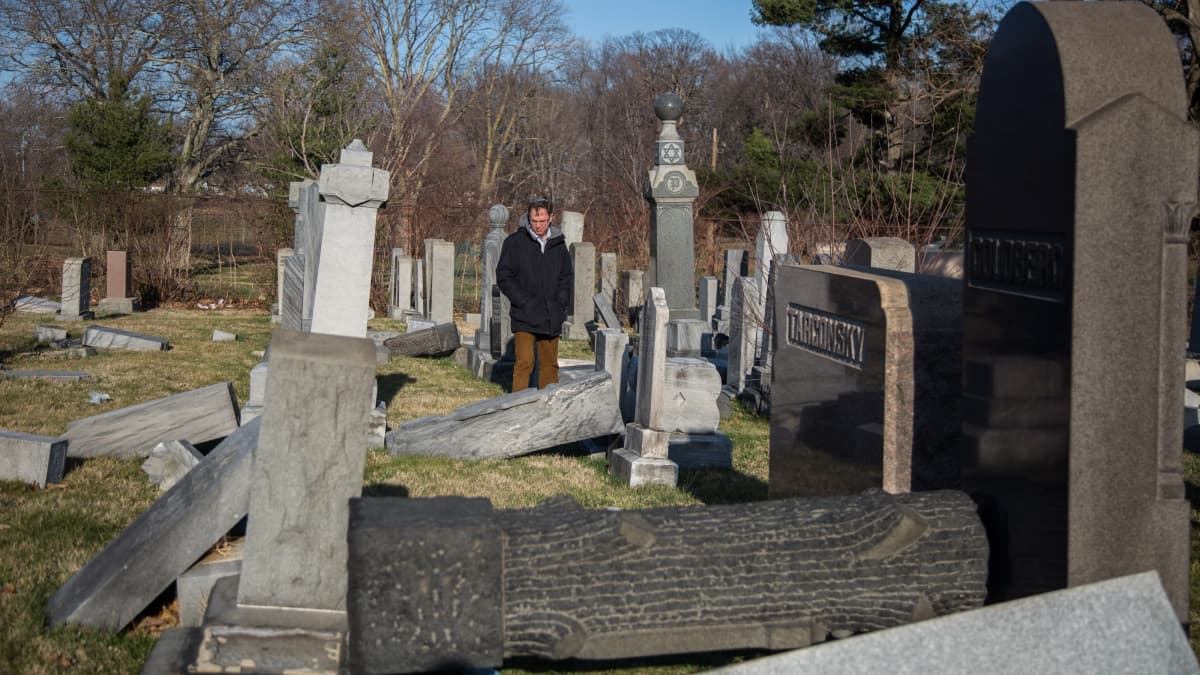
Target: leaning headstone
671 189
583 258
416 324
644 458
103 337
558 581
199 415
32 459
1124 625
571 225
1082 189
400 285
515 424
159 545
76 290
439 273
866 392
604 310
352 193
887 253
308 464
118 298
169 461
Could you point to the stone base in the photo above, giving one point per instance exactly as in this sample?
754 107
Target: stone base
75 318
117 305
637 471
646 443
194 588
237 649
701 451
224 610
685 337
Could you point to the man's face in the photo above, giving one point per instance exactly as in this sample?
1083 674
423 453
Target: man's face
539 220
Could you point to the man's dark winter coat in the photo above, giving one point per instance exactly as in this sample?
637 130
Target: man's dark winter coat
538 284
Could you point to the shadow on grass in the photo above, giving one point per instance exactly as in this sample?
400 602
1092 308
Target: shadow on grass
384 490
722 486
708 661
391 384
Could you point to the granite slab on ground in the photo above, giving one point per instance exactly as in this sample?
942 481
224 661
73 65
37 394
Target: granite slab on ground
103 337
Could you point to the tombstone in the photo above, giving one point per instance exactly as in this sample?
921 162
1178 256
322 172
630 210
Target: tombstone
671 189
745 323
32 459
308 464
643 460
291 302
281 258
757 394
635 294
611 344
420 297
571 224
76 290
304 197
940 261
400 285
737 264
439 276
887 253
118 297
493 242
771 241
103 337
866 389
45 332
170 461
608 276
708 300
583 258
604 311
1125 625
1082 186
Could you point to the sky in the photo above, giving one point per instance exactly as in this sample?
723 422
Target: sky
724 23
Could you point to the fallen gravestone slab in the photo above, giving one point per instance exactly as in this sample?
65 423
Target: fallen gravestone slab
32 459
605 309
32 305
1124 625
440 339
200 415
558 581
45 332
163 542
48 375
103 337
515 424
223 336
169 461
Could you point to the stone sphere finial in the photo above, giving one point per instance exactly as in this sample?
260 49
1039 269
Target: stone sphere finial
498 215
668 107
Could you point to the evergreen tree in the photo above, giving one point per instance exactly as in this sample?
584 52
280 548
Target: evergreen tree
116 143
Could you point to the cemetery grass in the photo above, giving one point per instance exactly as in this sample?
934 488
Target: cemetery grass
48 535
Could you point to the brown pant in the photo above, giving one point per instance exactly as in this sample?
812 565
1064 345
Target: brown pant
547 359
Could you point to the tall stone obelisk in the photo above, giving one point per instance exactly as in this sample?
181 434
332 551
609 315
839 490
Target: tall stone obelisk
671 189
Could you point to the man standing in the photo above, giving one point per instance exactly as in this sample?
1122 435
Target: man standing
535 273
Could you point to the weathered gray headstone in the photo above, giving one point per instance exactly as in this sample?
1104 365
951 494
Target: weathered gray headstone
1082 184
352 193
439 274
169 461
159 545
604 310
76 290
309 463
420 296
643 460
571 225
492 243
770 242
745 323
291 300
940 262
45 332
671 189
583 258
635 293
281 257
737 264
103 337
608 276
57 376
558 581
691 388
515 424
866 390
1124 625
31 305
223 336
400 285
708 300
32 459
199 415
888 253
435 340
685 337
611 344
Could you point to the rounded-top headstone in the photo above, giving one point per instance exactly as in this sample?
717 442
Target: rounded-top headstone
498 215
668 107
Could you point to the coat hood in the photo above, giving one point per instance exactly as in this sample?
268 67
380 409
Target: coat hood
550 233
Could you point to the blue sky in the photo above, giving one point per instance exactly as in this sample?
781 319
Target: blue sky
723 23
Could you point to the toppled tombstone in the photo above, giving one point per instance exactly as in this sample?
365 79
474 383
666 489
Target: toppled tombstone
49 333
57 376
778 574
103 337
98 397
149 554
222 336
199 415
1124 625
515 424
31 305
30 458
433 341
377 426
169 461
